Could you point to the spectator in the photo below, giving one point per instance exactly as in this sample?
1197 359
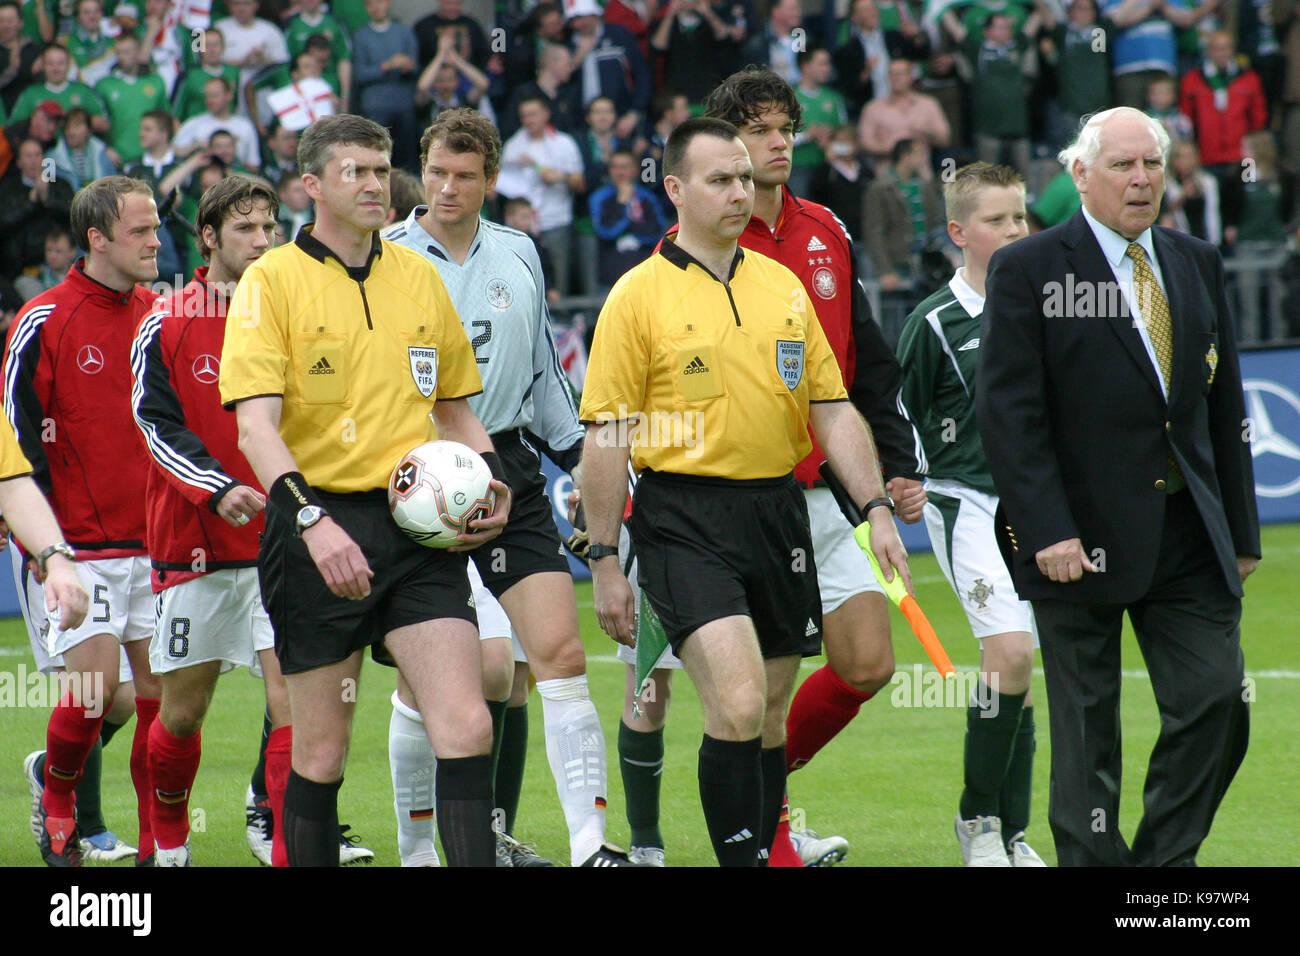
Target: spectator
60 253
311 20
608 62
1286 23
128 93
903 114
40 21
32 202
838 183
862 58
1259 221
167 42
196 132
89 44
779 40
189 92
384 53
18 54
405 192
280 153
1162 104
823 112
42 126
668 110
899 211
545 24
222 146
691 41
156 160
295 204
470 40
634 16
997 67
251 42
57 87
1224 101
1259 36
79 157
441 84
627 221
295 97
1078 53
1144 41
545 167
598 144
1191 202
518 214
1059 200
554 84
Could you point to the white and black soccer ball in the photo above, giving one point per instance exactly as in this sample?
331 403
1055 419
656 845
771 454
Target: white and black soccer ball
437 489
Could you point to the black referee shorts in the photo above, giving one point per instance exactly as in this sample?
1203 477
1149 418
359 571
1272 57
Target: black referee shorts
709 548
412 583
530 542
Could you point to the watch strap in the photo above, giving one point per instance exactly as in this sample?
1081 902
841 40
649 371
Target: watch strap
883 500
597 551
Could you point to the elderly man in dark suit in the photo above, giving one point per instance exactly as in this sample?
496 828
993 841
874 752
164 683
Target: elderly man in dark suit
1111 409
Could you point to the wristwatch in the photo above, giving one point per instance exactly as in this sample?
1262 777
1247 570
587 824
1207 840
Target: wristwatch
884 501
597 551
308 516
62 548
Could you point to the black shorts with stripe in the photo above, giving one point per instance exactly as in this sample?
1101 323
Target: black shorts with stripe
530 541
411 584
709 548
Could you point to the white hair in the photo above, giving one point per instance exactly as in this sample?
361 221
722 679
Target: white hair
1087 143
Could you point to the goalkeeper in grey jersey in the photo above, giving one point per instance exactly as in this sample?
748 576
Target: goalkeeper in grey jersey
495 280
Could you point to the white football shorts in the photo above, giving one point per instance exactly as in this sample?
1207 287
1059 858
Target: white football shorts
121 604
842 569
216 617
960 522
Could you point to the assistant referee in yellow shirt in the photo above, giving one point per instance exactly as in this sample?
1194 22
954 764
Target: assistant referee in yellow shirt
707 366
326 359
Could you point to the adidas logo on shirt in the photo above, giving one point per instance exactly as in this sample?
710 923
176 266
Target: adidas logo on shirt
695 366
816 245
322 367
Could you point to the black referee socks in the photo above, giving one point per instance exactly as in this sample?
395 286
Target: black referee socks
641 760
463 796
773 762
731 794
311 821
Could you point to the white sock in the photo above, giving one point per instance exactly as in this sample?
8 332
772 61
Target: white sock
410 756
575 748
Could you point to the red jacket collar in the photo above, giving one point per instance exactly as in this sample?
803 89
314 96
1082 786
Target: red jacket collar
88 286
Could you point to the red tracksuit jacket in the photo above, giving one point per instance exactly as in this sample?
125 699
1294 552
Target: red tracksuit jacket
67 392
193 441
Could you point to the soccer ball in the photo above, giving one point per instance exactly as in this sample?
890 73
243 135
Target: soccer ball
437 489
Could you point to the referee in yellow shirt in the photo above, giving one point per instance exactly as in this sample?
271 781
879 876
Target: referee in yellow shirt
32 522
707 366
325 359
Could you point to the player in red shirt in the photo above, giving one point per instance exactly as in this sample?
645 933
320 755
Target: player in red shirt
204 513
812 242
76 430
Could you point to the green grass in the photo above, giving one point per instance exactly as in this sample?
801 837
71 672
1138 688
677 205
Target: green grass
889 782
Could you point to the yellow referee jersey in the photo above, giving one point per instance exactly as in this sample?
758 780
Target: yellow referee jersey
13 462
359 355
710 378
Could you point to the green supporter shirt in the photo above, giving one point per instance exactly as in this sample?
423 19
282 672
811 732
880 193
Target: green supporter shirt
823 108
85 48
31 25
938 352
1083 68
1058 201
299 31
72 95
127 100
998 104
188 101
975 15
351 13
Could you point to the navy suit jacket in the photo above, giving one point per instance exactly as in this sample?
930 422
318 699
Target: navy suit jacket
1074 424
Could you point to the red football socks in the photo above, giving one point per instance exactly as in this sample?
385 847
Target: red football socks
822 707
146 710
279 752
783 852
173 765
68 739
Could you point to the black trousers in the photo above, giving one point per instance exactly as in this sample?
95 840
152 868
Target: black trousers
1188 629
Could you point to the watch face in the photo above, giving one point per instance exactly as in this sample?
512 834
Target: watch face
308 516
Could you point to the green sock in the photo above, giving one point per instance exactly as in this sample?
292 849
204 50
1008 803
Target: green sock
90 818
1018 784
510 764
641 759
497 708
990 739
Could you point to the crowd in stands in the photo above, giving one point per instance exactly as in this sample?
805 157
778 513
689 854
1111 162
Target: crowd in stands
894 93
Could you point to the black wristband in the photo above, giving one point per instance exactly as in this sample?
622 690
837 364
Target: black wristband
494 465
884 501
291 493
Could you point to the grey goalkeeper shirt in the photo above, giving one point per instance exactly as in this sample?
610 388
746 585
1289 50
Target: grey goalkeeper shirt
501 298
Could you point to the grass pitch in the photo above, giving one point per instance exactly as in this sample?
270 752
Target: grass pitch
889 782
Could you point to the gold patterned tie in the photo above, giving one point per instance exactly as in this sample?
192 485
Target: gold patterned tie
1155 315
